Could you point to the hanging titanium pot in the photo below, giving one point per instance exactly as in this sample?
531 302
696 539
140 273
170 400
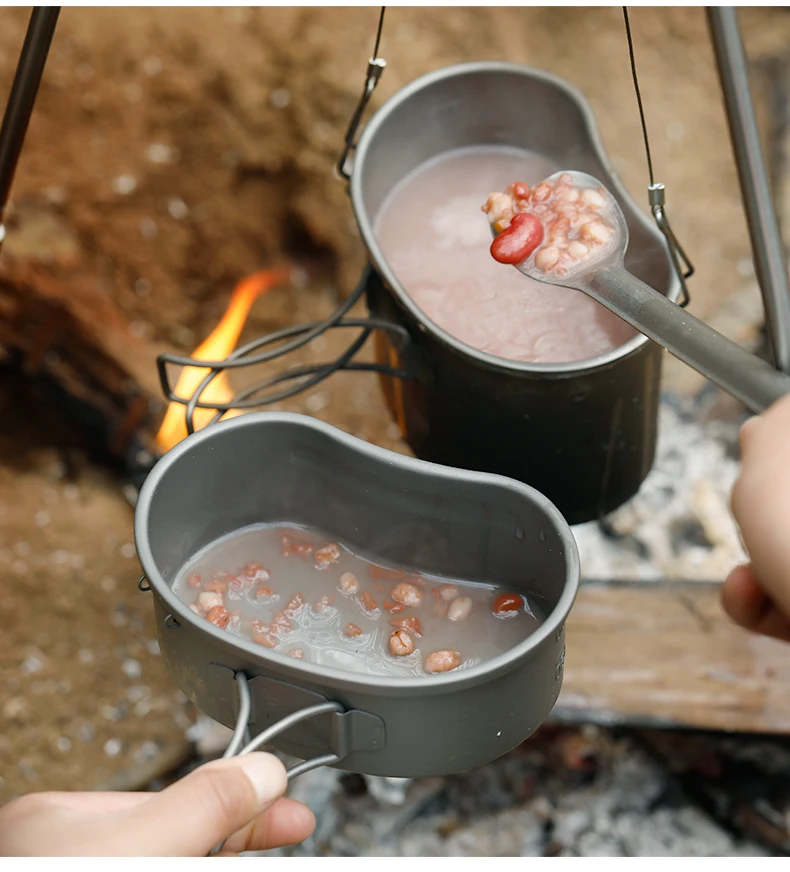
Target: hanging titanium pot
583 433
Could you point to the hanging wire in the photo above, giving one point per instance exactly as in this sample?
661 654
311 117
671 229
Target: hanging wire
656 191
378 33
376 66
638 93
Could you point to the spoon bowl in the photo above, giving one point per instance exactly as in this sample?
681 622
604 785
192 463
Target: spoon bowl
599 271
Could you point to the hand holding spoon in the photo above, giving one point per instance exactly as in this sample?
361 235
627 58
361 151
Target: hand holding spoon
569 231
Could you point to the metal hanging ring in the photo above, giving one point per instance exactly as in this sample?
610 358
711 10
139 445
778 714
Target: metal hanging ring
172 623
143 585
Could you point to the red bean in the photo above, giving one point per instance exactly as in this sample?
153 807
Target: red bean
255 570
381 572
519 190
401 644
265 638
348 583
352 630
441 661
327 555
281 624
193 581
323 604
298 653
407 594
411 624
215 586
290 547
263 592
508 605
394 608
294 605
219 616
516 244
368 603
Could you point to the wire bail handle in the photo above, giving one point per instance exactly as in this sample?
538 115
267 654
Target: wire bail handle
656 190
376 67
241 744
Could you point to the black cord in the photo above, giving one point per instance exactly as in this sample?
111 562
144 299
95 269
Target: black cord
378 34
638 93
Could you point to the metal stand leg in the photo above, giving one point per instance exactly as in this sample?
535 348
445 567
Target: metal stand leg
23 96
767 244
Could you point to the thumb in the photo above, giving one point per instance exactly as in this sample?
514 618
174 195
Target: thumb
193 815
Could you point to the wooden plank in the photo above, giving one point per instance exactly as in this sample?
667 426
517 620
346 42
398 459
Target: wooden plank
665 654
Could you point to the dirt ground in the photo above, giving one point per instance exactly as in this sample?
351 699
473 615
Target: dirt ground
172 152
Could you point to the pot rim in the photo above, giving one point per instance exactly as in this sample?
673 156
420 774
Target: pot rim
375 684
365 224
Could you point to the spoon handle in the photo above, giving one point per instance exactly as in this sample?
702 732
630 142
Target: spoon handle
741 374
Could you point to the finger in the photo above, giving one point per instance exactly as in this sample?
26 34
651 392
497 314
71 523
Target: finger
287 822
98 803
745 601
743 598
192 816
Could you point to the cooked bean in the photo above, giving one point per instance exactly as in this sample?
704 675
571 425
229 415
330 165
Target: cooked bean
448 592
411 624
255 570
348 583
407 594
281 624
368 603
291 548
298 653
507 605
352 630
193 580
441 661
209 599
459 609
215 586
327 555
382 572
263 592
323 604
219 616
265 638
295 605
401 644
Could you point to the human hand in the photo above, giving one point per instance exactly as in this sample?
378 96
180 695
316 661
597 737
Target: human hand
757 596
237 800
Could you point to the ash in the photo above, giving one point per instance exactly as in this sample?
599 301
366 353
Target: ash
678 526
563 793
566 792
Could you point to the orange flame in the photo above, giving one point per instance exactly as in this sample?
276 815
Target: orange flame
219 344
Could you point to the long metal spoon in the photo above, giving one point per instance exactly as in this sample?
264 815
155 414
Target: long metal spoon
606 280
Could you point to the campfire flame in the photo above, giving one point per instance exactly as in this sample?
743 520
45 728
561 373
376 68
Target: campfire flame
219 344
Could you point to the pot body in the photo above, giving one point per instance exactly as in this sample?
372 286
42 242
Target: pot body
285 468
582 433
